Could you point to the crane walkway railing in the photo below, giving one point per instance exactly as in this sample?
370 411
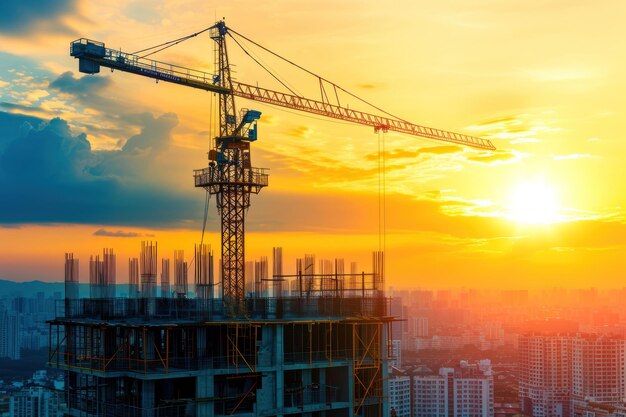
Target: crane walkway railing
97 53
93 54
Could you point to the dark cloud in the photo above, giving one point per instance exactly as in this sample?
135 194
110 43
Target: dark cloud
14 125
15 106
92 92
21 16
138 152
118 233
81 87
49 175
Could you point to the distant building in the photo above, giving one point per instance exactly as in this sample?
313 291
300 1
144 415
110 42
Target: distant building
9 335
396 353
593 409
465 391
35 401
418 327
397 309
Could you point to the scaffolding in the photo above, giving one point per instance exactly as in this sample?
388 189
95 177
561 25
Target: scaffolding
319 349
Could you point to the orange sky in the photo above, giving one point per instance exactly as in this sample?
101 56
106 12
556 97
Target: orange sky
544 81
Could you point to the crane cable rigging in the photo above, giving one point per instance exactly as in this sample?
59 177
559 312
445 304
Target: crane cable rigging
165 45
230 31
169 44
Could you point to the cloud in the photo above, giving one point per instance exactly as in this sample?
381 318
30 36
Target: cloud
518 128
573 156
81 87
50 175
19 17
440 150
358 213
93 106
412 154
495 157
14 125
118 233
584 234
369 86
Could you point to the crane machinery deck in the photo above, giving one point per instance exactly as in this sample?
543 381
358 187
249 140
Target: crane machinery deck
320 351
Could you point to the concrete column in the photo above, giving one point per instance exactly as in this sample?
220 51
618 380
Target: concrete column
270 355
267 347
385 370
323 386
307 380
265 399
351 387
279 355
201 343
147 398
204 389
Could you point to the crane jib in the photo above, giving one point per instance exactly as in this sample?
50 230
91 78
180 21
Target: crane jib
93 54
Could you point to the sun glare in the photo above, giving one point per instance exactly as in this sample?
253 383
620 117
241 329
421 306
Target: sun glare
533 202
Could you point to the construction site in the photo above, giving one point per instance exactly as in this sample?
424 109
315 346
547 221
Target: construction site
213 334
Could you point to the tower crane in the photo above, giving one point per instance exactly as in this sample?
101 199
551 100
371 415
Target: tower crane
230 175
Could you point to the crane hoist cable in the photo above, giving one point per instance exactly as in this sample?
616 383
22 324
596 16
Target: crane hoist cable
379 195
208 195
384 201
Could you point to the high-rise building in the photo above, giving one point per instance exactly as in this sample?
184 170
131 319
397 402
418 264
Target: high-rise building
545 378
430 396
10 340
598 370
400 395
471 386
465 391
560 374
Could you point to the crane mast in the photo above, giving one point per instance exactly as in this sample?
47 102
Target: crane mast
230 175
231 178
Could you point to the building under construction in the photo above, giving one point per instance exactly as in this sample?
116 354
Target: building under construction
312 343
251 343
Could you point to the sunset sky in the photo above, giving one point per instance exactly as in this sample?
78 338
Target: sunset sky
94 161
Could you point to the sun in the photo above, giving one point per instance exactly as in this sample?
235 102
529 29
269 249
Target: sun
533 202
